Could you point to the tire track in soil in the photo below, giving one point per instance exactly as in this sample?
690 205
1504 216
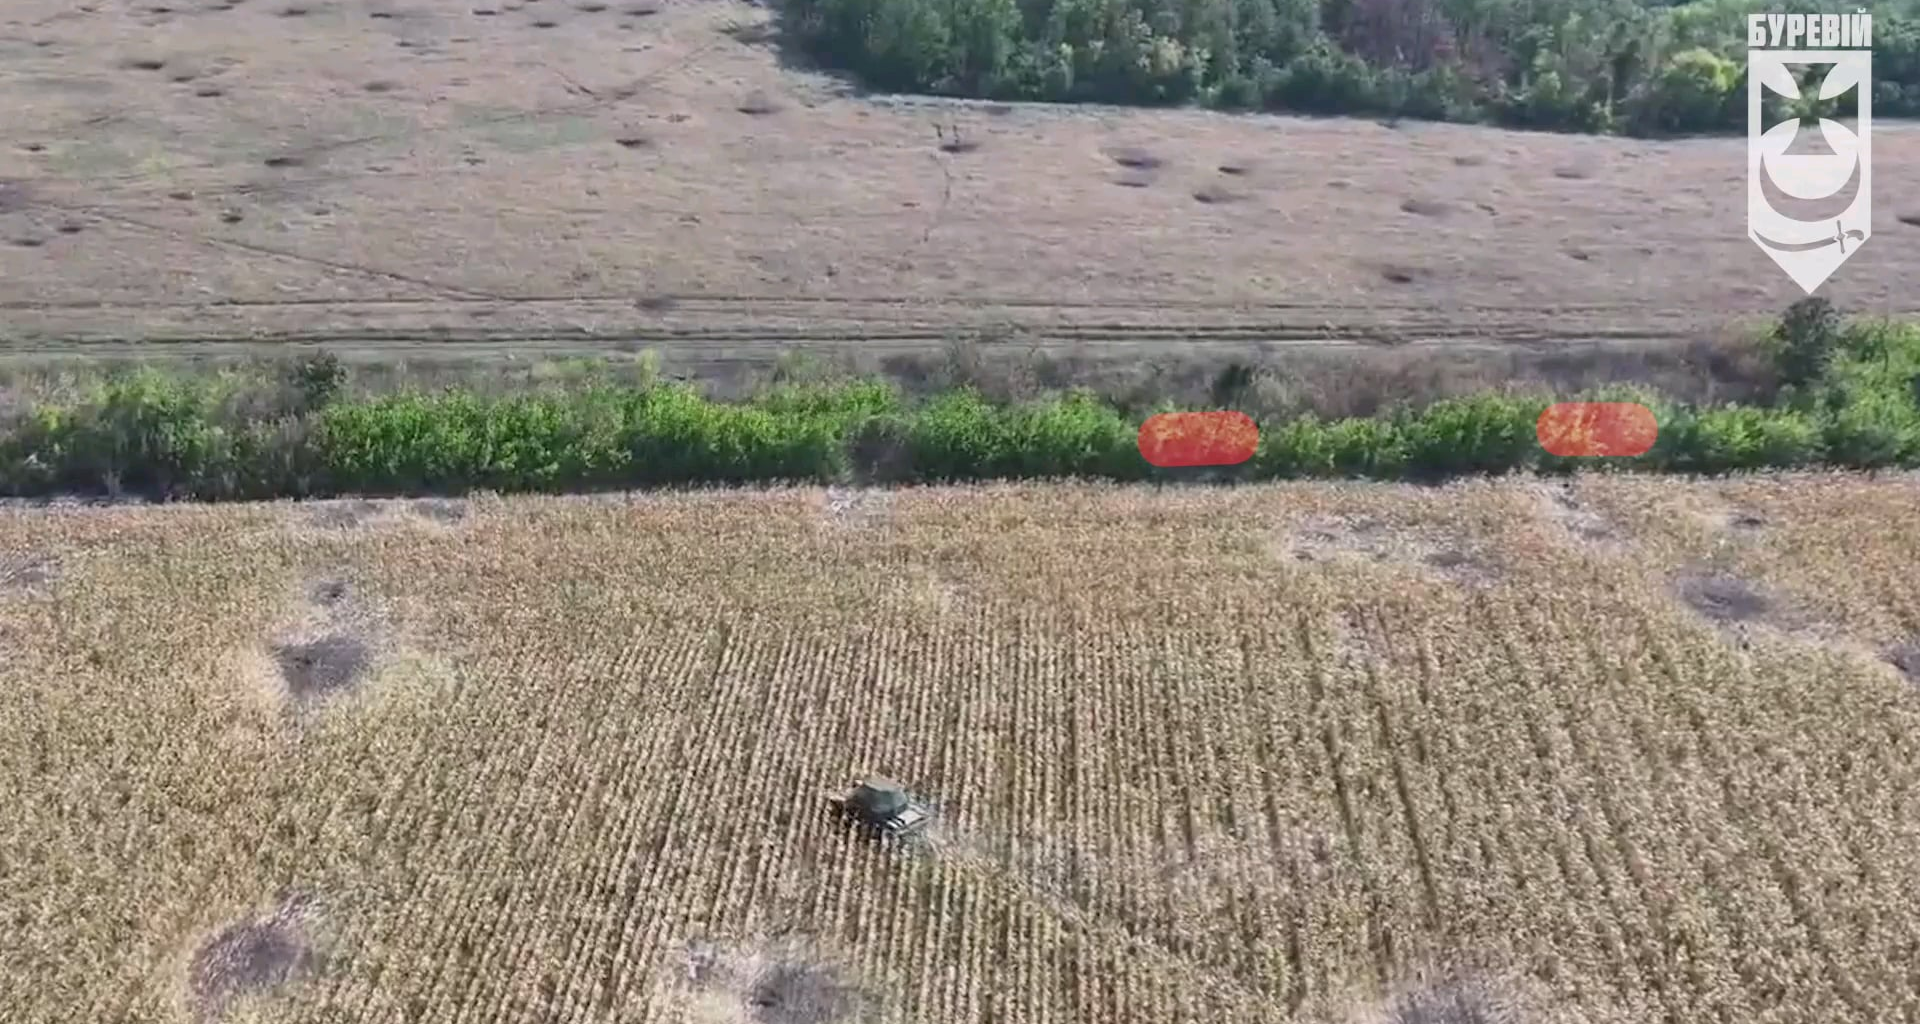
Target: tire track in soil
889 907
950 655
1566 704
1512 829
1576 846
1795 771
1328 712
215 241
1623 730
1261 695
1747 829
1210 907
1039 692
1243 767
1400 905
1433 916
1476 911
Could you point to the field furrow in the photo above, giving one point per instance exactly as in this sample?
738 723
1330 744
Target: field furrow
1647 813
523 977
1560 688
1181 770
1789 957
644 692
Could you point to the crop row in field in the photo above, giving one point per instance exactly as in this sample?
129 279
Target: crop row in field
575 772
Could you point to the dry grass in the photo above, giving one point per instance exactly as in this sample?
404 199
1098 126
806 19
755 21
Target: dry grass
1181 773
476 201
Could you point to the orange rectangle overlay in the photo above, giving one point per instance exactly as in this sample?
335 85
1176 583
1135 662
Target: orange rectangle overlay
1198 439
1587 429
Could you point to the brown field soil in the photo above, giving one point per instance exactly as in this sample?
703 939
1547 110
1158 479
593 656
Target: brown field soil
466 178
1285 753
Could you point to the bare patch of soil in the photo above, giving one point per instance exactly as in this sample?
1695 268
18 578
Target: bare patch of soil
440 510
328 593
250 958
1453 1001
786 982
759 104
1723 598
1729 518
25 572
1565 507
1906 657
1462 567
1135 158
1360 539
1213 195
849 506
321 668
342 515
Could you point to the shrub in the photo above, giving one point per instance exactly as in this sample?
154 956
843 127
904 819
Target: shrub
1804 340
1488 434
1739 437
1688 95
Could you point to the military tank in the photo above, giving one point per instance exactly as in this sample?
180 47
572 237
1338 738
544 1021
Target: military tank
882 807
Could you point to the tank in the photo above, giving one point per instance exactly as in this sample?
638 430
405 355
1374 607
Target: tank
883 806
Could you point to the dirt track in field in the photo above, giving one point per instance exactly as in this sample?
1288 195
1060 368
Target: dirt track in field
395 176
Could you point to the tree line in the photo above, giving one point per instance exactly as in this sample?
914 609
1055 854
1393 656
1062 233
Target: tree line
1609 66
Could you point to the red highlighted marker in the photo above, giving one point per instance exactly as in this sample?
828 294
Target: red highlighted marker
1198 439
1585 429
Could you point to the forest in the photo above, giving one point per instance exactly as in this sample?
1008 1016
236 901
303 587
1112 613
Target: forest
1598 66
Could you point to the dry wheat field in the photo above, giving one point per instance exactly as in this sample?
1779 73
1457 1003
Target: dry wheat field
1607 750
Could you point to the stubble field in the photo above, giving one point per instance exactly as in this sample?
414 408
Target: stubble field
1619 751
395 177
